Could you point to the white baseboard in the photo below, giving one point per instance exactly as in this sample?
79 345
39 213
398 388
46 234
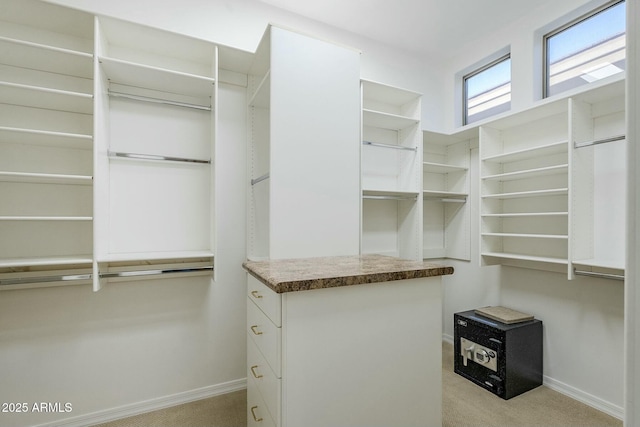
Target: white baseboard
584 397
447 338
574 393
149 405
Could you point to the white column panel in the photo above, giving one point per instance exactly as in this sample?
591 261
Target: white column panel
314 147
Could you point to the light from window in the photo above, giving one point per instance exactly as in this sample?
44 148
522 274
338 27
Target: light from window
487 91
585 50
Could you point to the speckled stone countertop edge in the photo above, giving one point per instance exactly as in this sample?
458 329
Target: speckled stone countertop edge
294 279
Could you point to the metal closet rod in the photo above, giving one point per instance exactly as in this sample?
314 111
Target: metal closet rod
158 100
156 157
599 141
260 179
396 147
89 276
599 275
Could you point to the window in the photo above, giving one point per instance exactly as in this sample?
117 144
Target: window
585 50
487 91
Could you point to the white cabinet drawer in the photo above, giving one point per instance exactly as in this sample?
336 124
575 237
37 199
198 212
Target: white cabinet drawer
264 378
257 414
266 336
265 298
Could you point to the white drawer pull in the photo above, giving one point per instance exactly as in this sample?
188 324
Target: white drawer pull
253 371
255 331
253 409
255 294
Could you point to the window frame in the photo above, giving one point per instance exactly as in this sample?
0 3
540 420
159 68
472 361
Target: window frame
475 72
575 21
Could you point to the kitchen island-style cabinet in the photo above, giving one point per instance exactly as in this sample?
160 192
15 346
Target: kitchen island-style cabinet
349 341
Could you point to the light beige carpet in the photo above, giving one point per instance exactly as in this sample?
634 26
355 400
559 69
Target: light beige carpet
227 410
463 405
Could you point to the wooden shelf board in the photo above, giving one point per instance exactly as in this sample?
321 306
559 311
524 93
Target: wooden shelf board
527 153
528 235
47 98
447 194
45 218
155 78
524 214
44 137
525 257
44 261
390 193
431 167
533 193
387 121
141 256
529 173
37 56
600 263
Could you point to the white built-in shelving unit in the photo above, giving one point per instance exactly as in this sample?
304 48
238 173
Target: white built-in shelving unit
552 193
391 167
303 131
446 185
524 188
598 173
46 140
155 135
303 188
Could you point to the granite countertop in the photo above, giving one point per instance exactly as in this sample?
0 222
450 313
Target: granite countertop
290 275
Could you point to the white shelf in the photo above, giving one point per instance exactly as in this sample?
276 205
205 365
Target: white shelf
533 193
442 168
522 257
45 178
155 78
38 56
47 98
529 173
383 93
525 214
387 121
140 256
390 194
44 137
527 153
445 194
45 218
528 236
46 261
600 263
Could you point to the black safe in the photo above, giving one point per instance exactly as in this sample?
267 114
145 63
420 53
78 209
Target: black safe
505 359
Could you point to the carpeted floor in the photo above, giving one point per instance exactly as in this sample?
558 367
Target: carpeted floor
466 405
463 405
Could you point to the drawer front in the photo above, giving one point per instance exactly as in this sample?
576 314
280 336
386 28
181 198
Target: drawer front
257 414
265 335
265 298
264 378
